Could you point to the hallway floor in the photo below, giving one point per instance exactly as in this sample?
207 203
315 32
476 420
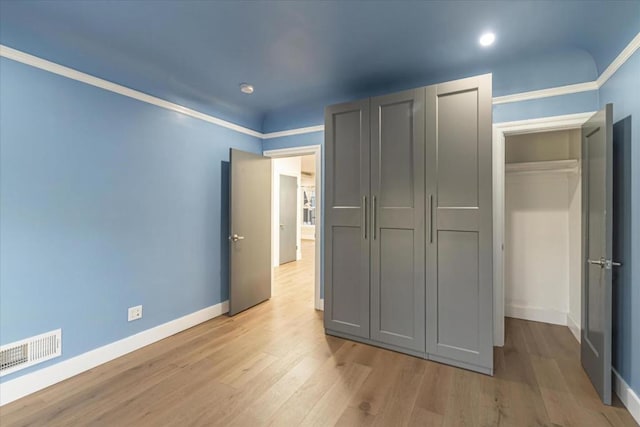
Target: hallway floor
273 365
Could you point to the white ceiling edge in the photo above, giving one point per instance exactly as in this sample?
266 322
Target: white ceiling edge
43 64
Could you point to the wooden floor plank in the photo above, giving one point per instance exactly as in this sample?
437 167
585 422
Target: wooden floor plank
273 365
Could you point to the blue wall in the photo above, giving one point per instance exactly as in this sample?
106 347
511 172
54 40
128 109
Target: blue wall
623 90
105 203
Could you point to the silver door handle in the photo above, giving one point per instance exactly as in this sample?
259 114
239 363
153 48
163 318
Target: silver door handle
604 263
364 217
374 220
430 218
235 238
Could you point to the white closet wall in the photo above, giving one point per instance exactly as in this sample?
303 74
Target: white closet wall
542 227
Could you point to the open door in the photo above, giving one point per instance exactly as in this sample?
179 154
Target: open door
288 218
597 228
250 231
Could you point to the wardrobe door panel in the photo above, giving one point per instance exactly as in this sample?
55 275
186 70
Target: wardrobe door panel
397 287
397 206
459 232
456 280
347 257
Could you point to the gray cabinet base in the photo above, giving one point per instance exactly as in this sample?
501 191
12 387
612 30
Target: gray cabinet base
427 356
459 364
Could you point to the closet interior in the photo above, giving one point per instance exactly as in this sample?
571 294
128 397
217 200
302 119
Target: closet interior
543 227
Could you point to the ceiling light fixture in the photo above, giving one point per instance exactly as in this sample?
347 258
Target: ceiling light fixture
487 39
246 88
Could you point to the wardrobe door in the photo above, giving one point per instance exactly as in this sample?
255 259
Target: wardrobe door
346 245
397 220
459 229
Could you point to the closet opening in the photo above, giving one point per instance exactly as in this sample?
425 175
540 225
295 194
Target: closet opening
296 221
542 227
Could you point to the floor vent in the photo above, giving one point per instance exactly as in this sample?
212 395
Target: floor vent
29 352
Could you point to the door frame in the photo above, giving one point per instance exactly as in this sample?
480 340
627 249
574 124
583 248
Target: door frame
304 151
500 131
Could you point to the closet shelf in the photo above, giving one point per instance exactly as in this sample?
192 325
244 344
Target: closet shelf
551 166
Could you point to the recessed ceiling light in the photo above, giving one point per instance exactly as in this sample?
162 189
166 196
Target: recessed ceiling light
246 88
487 39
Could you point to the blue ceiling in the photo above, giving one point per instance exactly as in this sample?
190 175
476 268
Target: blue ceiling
302 55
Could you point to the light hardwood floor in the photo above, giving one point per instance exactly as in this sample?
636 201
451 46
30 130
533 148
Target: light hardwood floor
273 365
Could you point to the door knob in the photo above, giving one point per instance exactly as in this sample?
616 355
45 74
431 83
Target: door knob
235 238
605 263
600 262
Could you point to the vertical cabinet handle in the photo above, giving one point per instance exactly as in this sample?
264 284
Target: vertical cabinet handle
430 218
375 225
364 217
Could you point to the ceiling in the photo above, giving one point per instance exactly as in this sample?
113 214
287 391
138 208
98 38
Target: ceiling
297 54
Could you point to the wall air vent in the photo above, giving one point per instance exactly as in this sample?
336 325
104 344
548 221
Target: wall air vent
29 352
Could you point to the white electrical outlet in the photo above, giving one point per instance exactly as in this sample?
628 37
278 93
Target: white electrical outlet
135 313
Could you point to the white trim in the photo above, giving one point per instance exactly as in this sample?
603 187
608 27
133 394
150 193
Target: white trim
546 93
626 395
626 53
61 70
43 64
537 314
298 131
38 380
546 167
545 124
574 326
303 151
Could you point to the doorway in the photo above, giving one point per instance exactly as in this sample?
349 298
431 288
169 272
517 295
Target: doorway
500 132
297 216
542 228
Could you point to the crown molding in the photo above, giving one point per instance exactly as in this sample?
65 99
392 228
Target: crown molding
61 70
546 93
626 53
298 131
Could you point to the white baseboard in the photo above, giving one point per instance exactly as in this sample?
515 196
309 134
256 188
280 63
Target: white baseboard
574 326
536 314
38 380
320 305
627 396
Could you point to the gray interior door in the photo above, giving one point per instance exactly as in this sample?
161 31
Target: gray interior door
459 223
346 244
397 220
288 218
250 231
597 206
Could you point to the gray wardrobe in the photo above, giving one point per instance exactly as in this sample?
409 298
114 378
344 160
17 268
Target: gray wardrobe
408 237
